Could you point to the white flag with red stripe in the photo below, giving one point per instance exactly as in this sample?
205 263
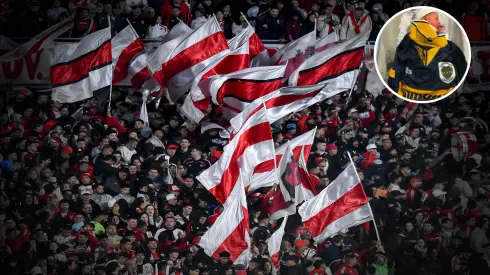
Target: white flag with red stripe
265 174
79 69
295 52
199 97
251 146
129 61
258 53
326 42
178 62
336 66
275 241
236 90
341 205
288 100
230 232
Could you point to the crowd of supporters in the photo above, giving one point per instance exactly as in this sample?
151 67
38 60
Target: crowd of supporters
93 191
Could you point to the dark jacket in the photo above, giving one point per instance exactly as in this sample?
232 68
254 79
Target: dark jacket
275 27
102 22
427 66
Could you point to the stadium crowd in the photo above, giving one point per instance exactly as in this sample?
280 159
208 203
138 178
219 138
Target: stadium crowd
96 192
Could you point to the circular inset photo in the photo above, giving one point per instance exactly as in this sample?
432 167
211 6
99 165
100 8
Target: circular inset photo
422 54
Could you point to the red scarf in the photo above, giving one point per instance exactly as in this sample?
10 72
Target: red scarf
357 27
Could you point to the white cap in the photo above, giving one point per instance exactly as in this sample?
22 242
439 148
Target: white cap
371 146
423 12
377 162
169 197
438 193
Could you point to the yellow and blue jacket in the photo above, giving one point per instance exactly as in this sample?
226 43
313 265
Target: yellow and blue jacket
427 65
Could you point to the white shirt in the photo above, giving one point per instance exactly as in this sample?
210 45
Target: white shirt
196 23
156 31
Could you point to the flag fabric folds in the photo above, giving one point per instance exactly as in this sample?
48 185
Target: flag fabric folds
251 146
129 60
265 174
258 53
199 97
79 69
236 90
230 232
341 205
178 62
337 66
326 42
274 243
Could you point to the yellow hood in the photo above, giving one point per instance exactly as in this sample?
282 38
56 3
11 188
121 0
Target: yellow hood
427 39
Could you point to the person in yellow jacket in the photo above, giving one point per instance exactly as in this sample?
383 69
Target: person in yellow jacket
427 65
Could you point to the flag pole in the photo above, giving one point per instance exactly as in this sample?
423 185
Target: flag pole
244 17
370 210
110 87
355 79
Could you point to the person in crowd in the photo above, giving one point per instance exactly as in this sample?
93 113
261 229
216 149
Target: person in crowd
157 30
355 23
270 25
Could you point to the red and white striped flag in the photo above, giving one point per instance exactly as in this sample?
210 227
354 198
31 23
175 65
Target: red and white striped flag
326 42
341 205
258 53
199 97
178 62
230 232
236 90
337 66
295 52
265 174
129 61
79 69
275 241
251 146
288 100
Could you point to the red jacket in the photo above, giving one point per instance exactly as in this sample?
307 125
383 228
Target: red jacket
345 269
475 27
16 244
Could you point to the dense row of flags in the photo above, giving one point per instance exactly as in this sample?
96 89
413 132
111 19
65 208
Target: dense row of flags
254 91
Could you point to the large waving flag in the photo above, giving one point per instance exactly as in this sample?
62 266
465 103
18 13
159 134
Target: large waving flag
178 62
129 61
236 90
265 174
295 52
79 69
341 205
258 53
326 42
251 146
337 66
199 97
288 100
7 45
230 232
179 30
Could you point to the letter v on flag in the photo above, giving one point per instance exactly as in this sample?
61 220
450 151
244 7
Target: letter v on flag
340 205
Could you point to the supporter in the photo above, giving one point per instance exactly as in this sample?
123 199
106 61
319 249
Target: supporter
270 25
84 25
102 19
294 26
355 23
198 19
137 21
55 11
474 25
34 21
